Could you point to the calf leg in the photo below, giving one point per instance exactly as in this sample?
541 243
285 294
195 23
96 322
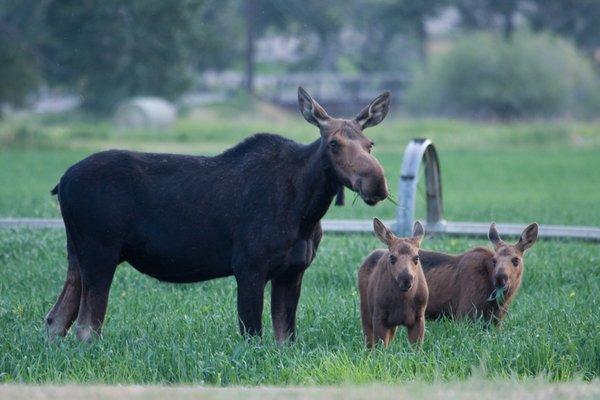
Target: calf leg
367 324
250 297
97 270
381 332
285 293
60 318
416 332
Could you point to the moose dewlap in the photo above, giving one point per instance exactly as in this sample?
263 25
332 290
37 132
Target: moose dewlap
392 288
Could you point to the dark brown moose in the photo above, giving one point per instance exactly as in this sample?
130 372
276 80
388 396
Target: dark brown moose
253 212
392 288
480 283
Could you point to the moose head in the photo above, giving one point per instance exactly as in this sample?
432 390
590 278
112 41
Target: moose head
347 148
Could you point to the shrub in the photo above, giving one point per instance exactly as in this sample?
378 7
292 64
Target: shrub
485 76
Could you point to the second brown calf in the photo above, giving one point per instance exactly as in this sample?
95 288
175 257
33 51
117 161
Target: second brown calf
480 283
392 288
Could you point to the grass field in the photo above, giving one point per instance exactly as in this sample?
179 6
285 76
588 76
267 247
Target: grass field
187 334
519 172
551 331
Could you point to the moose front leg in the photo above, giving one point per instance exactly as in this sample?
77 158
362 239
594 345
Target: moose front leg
416 332
381 332
285 293
250 296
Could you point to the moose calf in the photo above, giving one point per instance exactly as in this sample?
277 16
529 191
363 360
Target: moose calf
479 283
392 287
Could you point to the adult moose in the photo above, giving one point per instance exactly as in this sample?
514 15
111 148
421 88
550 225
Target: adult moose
253 212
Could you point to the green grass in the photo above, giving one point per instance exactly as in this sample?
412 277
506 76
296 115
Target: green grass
520 185
163 333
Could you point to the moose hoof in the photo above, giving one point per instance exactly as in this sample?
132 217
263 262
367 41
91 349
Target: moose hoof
53 329
86 333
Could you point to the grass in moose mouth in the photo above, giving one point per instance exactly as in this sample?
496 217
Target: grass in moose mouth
164 333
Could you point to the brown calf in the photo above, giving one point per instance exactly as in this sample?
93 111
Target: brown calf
478 283
392 288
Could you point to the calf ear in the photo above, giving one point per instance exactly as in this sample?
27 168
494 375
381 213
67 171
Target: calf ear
528 237
375 112
494 236
311 110
382 232
418 232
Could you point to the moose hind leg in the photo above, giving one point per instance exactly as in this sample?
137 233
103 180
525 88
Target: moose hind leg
60 318
285 293
97 270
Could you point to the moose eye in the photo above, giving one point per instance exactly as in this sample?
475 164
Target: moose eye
393 259
334 145
515 261
371 145
494 262
415 259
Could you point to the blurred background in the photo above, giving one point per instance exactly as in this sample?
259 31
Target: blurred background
508 90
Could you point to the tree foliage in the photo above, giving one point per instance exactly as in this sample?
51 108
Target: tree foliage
577 20
485 76
110 49
20 32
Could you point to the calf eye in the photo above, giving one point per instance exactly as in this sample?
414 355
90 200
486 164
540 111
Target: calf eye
334 145
494 262
371 145
416 259
393 259
515 261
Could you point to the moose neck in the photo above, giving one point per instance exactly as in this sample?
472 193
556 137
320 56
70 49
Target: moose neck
318 186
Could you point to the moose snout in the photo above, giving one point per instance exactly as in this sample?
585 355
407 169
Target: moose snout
405 282
501 280
372 189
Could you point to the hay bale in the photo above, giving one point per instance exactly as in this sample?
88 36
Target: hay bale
144 113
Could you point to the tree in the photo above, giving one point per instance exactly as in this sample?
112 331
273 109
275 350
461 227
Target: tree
384 19
250 11
577 20
20 29
18 74
485 14
110 49
324 18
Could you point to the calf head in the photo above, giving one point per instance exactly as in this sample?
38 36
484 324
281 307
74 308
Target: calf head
505 269
403 260
347 148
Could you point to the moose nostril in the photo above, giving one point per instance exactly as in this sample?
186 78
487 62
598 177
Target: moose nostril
405 284
501 281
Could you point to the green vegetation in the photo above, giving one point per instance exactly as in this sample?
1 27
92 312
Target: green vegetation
485 76
164 333
516 172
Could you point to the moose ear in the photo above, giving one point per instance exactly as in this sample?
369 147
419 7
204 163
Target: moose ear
375 112
494 236
418 232
311 110
528 237
382 232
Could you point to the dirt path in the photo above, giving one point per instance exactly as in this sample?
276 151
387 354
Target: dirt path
471 390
